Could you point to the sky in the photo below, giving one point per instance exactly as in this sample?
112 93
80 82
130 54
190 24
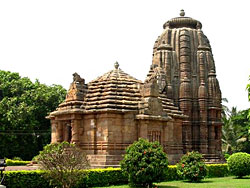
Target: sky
49 40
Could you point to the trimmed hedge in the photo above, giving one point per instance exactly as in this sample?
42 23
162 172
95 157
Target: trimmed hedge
11 162
217 170
24 178
104 177
172 173
34 178
214 170
96 177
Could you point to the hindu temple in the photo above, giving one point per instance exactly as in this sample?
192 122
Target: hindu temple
178 104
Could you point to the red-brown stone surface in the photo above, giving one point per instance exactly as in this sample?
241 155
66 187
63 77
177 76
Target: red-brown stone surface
179 104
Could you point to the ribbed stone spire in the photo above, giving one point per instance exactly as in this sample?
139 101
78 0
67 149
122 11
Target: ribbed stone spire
184 53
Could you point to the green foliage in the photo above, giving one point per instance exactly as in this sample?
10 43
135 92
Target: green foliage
11 162
241 121
144 163
63 162
213 170
103 177
172 173
192 167
226 156
217 170
17 159
96 177
36 178
235 131
248 89
20 179
239 164
23 108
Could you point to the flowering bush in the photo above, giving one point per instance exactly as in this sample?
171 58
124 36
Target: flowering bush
144 163
239 164
192 167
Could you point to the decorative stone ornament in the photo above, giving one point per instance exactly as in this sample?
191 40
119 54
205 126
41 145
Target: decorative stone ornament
182 13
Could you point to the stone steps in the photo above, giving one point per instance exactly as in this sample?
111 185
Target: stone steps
104 161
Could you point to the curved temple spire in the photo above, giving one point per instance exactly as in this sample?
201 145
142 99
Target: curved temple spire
191 79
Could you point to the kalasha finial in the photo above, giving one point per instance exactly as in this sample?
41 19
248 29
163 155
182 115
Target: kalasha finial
116 65
182 13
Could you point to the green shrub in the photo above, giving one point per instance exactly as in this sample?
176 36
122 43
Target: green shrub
217 170
213 170
144 163
226 156
172 173
103 177
192 167
96 177
239 164
20 179
35 178
10 162
17 159
35 158
63 163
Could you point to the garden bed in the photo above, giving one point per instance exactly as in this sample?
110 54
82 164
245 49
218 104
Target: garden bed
96 177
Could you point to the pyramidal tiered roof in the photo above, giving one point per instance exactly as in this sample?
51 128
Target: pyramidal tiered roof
115 90
169 107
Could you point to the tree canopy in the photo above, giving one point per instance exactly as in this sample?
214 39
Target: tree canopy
236 128
24 130
235 131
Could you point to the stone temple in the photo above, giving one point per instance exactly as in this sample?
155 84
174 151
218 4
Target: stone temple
178 104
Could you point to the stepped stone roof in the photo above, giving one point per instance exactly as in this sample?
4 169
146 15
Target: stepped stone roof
170 108
115 90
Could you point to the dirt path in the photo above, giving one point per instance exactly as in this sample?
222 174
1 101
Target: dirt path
12 168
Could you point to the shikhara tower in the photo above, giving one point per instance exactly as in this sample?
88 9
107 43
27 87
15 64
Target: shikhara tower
183 60
178 105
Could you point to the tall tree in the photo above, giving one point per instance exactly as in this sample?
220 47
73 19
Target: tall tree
236 128
23 108
241 121
235 131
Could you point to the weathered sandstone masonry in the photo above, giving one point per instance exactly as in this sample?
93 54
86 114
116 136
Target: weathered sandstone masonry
179 103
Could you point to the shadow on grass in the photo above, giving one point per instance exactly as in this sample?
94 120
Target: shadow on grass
166 186
243 178
204 181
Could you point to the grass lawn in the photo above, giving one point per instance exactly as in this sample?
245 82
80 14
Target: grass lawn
225 182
